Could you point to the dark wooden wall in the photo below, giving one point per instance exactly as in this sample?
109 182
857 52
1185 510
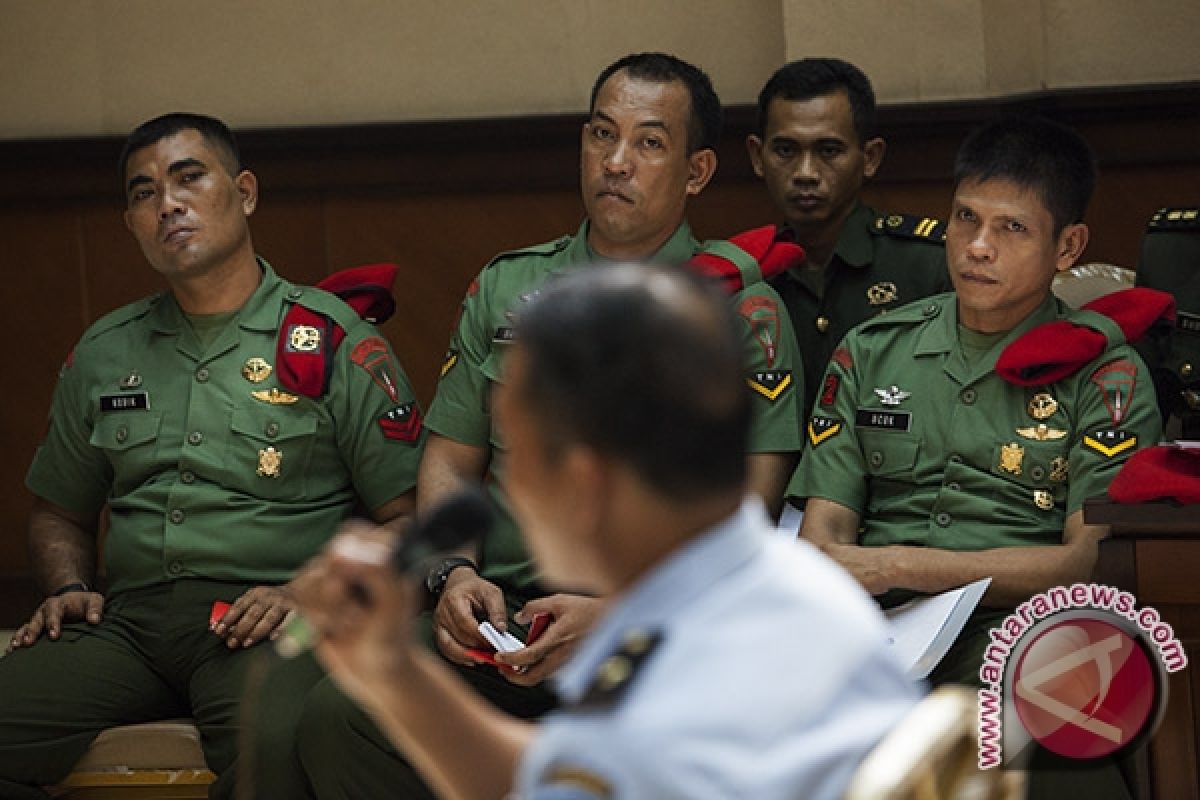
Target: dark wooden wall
440 199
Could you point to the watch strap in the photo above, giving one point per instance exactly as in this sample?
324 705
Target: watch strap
77 586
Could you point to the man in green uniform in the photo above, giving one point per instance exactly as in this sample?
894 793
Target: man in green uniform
646 148
1170 261
220 477
815 147
928 470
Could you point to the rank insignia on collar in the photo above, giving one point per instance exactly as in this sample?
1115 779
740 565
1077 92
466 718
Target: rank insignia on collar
448 364
616 672
1059 469
1043 499
1110 442
131 381
372 354
303 339
269 461
575 783
1042 406
274 397
822 428
1117 381
882 293
1011 456
893 395
770 383
1041 432
256 370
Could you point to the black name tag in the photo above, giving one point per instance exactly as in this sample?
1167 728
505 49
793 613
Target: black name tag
883 420
1187 322
134 401
504 334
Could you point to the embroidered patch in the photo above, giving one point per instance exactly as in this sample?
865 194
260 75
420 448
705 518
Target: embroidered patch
822 428
770 383
303 339
1116 381
830 389
448 364
402 423
762 314
373 355
137 401
1110 442
473 287
842 358
878 419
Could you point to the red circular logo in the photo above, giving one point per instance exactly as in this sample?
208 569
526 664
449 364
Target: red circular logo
1084 688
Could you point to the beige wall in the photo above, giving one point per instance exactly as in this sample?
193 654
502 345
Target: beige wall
954 49
76 67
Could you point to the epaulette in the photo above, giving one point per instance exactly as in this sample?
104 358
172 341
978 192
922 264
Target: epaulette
543 249
124 314
910 226
1174 219
615 673
910 314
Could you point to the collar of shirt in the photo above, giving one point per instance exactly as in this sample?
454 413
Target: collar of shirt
261 312
854 247
688 572
676 250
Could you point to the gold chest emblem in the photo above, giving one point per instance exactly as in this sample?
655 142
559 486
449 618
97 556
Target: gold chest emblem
1042 405
1043 499
274 397
256 370
882 293
1058 469
1011 456
269 462
1042 433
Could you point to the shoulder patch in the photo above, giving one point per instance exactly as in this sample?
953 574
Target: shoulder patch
543 249
821 429
1116 381
1110 442
124 314
771 384
910 226
1174 219
762 315
616 673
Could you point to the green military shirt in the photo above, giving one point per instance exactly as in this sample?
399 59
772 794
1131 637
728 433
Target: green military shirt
881 262
931 451
460 409
1170 262
210 468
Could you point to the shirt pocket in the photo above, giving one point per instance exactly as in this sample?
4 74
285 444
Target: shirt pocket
270 450
889 459
129 439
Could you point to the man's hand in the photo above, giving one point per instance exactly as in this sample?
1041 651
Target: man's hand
258 614
572 616
870 566
465 599
53 612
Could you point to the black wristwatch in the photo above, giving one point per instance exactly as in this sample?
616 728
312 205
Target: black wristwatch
77 586
435 581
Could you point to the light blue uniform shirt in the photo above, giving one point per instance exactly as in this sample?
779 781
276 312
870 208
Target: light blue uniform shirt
772 678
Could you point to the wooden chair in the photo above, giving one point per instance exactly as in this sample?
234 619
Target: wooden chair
932 755
149 761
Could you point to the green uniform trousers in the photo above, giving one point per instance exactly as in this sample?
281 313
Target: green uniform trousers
151 657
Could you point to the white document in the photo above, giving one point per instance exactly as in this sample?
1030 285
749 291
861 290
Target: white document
923 629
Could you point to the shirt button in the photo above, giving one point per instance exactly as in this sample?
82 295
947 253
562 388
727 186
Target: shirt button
953 486
876 459
930 310
187 476
175 567
295 294
956 459
202 375
177 516
122 434
272 429
195 437
968 396
942 519
822 324
1186 370
1037 473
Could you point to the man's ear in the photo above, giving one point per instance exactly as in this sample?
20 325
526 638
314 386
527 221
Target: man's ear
873 152
702 165
1071 242
247 186
754 146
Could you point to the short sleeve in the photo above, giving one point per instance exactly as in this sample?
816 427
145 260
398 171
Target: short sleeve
774 371
459 410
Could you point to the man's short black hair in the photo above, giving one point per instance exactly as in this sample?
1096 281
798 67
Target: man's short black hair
644 365
704 123
817 77
214 131
1037 154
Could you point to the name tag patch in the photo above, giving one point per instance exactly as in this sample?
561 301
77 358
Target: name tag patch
879 419
135 401
1187 322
